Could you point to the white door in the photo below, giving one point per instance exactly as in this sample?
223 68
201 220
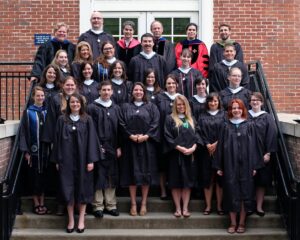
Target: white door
174 23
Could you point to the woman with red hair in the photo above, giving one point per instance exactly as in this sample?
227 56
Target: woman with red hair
237 162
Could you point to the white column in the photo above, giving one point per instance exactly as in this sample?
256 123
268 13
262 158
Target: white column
206 21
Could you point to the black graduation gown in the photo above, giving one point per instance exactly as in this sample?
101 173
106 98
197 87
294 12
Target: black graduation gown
49 93
121 93
219 77
138 165
181 168
226 96
237 156
46 53
75 145
53 112
217 54
164 105
267 142
210 130
126 53
96 40
139 64
166 49
90 92
152 95
31 129
186 82
106 121
197 107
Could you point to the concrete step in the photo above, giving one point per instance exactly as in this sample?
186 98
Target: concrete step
154 204
153 220
157 234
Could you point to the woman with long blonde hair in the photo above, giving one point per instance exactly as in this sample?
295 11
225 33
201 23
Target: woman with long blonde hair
181 139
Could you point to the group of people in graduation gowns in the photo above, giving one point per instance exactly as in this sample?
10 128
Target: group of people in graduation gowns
142 121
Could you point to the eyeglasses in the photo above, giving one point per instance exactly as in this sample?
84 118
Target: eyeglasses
108 49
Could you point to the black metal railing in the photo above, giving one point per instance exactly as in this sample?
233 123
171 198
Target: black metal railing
13 95
9 187
287 186
14 86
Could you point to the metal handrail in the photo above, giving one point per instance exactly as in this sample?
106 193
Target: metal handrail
288 186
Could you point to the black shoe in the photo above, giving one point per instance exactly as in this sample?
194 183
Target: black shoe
113 212
98 214
249 213
261 214
69 230
80 230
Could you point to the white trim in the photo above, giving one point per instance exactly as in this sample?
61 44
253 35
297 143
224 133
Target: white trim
203 7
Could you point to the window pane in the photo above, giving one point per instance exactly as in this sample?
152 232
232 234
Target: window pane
179 25
178 39
167 25
111 25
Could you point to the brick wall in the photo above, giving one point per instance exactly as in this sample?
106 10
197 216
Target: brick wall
267 29
20 19
293 147
5 150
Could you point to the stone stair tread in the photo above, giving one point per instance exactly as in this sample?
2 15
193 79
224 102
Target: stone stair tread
258 233
161 220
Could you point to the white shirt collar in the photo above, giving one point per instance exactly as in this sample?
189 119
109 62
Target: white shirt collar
256 114
172 97
213 112
117 81
138 104
50 85
88 82
235 90
147 55
97 31
104 103
150 88
111 60
200 99
74 117
184 70
236 121
229 64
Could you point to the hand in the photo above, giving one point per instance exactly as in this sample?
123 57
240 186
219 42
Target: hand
28 159
220 172
190 151
267 157
254 173
134 138
57 166
90 167
119 152
142 138
32 79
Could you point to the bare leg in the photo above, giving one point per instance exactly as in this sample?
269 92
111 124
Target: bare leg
242 215
176 194
162 182
145 190
208 197
132 192
219 196
70 209
81 218
232 216
185 195
260 194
